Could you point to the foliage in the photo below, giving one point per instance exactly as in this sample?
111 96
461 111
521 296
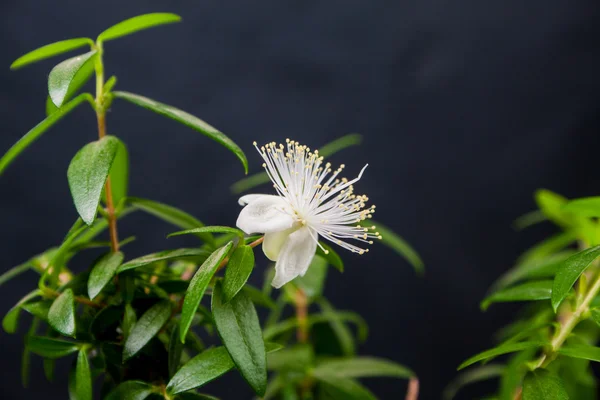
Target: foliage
138 327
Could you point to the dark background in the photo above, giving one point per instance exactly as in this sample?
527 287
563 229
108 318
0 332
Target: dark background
466 107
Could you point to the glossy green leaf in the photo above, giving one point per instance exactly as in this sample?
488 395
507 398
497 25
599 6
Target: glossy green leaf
175 350
313 281
569 272
342 332
61 315
38 130
137 23
87 174
131 390
50 348
200 370
398 244
186 119
362 367
344 388
146 328
581 351
473 375
167 255
103 272
541 384
211 229
50 50
83 377
198 286
119 175
239 328
332 257
238 271
585 207
529 291
502 349
62 79
327 150
171 215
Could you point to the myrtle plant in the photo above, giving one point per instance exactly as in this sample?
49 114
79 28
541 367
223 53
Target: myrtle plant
144 327
550 345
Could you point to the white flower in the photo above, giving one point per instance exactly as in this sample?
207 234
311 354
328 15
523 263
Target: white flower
311 201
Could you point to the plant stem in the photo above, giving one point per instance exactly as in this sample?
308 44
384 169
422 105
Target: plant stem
101 116
412 392
79 299
301 304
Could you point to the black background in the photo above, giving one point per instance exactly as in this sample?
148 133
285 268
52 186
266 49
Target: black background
466 108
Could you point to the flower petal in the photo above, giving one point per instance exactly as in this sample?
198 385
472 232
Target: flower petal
265 214
244 200
295 257
274 242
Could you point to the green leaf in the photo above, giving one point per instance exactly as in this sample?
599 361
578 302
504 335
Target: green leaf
186 119
50 50
529 291
212 229
38 309
50 348
529 219
119 175
541 384
332 257
257 296
26 355
398 244
200 370
585 207
195 396
39 129
502 349
175 350
582 351
239 328
146 328
62 79
344 388
171 215
313 281
138 23
129 320
362 367
569 272
327 150
14 272
548 247
131 390
109 84
595 314
10 321
167 255
238 271
198 286
298 358
344 316
342 331
87 174
102 272
473 375
83 377
61 315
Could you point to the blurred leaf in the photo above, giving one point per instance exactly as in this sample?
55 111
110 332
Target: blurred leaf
512 377
51 348
585 207
171 215
239 328
502 349
109 84
166 255
548 247
257 296
299 358
553 207
131 390
582 351
26 355
61 315
175 350
313 281
344 388
198 286
284 326
14 272
342 332
331 256
146 328
200 370
105 319
49 366
38 130
195 396
129 320
10 321
529 219
398 244
473 375
541 384
595 314
327 150
38 309
362 367
64 80
119 175
50 50
212 229
238 271
186 119
103 272
529 291
569 272
87 174
83 377
137 23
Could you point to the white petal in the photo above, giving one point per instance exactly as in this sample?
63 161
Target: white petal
295 257
274 242
249 198
265 214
